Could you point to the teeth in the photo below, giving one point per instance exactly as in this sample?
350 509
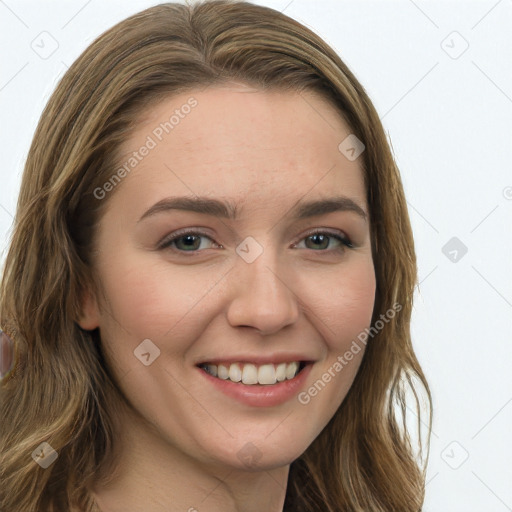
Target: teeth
281 372
211 369
291 370
235 374
250 374
222 371
267 374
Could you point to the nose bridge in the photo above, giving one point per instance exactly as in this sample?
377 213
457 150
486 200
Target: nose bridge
263 297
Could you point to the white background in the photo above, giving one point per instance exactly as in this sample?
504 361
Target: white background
448 113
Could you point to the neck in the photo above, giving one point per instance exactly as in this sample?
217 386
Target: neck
155 476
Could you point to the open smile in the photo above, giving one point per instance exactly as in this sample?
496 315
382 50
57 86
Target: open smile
252 374
257 385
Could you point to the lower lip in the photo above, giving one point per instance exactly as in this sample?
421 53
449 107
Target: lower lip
259 395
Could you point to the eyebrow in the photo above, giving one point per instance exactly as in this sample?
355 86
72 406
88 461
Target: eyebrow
228 210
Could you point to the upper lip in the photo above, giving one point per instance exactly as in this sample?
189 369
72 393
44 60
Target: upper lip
258 359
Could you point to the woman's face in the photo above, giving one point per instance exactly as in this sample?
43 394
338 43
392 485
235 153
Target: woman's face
246 289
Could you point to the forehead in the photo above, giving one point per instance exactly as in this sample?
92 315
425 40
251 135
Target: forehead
255 147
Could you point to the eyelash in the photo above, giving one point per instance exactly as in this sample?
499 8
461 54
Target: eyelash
345 241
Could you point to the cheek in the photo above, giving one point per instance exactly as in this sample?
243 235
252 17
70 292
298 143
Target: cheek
154 300
340 314
345 304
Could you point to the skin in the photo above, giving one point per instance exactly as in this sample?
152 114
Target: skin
179 436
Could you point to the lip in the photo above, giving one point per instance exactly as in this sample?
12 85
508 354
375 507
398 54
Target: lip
260 395
259 360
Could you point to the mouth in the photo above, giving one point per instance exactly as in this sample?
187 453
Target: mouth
252 374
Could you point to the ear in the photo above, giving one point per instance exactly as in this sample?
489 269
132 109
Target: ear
90 317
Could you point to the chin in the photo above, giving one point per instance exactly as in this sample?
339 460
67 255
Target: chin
253 453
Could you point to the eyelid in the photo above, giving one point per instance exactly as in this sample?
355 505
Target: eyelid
182 232
340 235
329 232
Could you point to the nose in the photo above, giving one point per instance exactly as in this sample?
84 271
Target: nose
263 297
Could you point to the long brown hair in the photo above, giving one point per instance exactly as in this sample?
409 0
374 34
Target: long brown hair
59 390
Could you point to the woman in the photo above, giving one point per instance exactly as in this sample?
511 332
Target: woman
209 285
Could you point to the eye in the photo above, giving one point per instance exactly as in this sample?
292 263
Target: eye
322 239
189 241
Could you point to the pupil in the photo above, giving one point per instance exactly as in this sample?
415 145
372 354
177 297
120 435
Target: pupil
190 240
318 239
